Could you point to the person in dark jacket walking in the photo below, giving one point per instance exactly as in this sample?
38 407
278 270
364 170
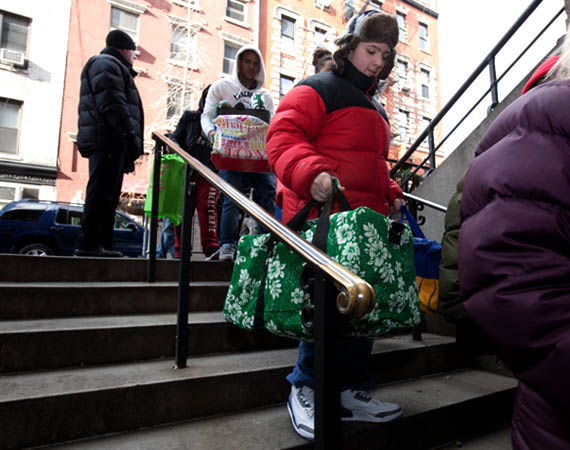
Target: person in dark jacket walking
188 134
110 134
329 125
514 253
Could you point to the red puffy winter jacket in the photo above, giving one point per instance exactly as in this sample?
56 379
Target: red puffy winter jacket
328 123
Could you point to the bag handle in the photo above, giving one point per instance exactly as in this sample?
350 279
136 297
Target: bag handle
319 240
416 230
323 224
300 218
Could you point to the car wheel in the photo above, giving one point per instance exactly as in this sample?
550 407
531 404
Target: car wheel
36 250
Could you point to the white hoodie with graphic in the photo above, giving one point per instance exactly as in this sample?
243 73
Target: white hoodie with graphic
231 90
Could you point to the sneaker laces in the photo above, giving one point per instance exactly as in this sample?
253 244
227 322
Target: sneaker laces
213 255
307 401
365 396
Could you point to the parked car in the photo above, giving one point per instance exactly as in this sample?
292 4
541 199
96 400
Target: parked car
35 227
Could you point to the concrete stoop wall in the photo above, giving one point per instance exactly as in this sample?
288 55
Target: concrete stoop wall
441 184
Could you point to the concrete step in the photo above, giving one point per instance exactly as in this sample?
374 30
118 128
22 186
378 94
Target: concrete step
495 439
55 406
40 300
25 269
437 410
63 342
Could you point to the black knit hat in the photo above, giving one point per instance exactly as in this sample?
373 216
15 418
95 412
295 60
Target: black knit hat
121 40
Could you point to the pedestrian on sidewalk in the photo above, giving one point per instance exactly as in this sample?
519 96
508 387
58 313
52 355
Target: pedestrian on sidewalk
110 135
166 244
188 134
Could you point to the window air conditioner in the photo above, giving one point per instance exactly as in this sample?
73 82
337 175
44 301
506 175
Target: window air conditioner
323 4
11 57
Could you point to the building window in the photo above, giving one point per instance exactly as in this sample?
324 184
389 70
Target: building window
424 75
285 84
376 5
178 101
15 31
287 34
187 3
403 117
180 44
320 33
230 51
7 194
235 10
402 70
424 43
125 21
401 17
9 125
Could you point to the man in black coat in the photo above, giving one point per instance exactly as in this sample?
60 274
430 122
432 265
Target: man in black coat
110 134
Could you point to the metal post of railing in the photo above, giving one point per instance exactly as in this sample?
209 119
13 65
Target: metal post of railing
327 389
431 143
494 88
184 267
151 267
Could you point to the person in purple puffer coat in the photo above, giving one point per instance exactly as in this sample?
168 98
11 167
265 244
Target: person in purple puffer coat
514 253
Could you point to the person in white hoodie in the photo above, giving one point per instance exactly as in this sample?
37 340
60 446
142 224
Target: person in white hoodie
247 80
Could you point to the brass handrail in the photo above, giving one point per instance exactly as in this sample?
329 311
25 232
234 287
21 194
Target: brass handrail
356 297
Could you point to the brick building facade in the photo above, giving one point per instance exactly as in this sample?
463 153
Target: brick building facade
293 29
185 45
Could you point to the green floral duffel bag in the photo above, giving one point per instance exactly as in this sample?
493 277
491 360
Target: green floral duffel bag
357 239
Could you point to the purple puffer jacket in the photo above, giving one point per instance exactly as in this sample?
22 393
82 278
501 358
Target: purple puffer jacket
514 243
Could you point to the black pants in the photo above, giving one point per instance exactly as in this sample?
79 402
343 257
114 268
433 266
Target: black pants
101 199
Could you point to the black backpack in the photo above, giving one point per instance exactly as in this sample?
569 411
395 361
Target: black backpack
188 134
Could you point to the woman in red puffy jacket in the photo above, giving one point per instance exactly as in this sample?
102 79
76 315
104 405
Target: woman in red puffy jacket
329 125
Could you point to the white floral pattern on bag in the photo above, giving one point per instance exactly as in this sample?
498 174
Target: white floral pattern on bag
358 240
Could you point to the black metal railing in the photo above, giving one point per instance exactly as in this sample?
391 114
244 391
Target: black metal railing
355 297
488 62
417 204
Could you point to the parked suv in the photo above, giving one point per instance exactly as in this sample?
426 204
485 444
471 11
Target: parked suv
33 227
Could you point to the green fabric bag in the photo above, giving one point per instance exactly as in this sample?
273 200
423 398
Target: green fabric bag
358 240
171 190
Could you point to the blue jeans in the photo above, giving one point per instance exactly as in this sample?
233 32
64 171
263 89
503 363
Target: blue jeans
263 185
353 365
166 244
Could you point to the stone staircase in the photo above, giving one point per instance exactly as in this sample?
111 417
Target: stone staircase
86 361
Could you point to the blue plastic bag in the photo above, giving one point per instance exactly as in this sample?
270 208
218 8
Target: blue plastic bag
427 256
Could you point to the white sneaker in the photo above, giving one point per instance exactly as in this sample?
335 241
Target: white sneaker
361 406
301 407
227 253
